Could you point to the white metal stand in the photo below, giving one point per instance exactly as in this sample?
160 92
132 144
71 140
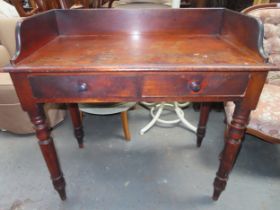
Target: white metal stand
160 107
175 4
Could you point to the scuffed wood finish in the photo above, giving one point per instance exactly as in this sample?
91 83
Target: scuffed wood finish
202 55
126 51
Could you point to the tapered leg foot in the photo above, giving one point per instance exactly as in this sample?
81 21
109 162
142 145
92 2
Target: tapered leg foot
77 123
200 135
79 134
216 195
231 149
59 185
62 194
219 186
203 118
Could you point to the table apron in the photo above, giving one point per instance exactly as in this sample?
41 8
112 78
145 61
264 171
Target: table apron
137 87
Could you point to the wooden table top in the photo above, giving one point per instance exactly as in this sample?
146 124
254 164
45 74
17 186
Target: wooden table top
121 40
132 50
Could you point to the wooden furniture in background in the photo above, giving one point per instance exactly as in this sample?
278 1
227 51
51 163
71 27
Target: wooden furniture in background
74 4
259 6
108 109
199 3
256 2
21 11
101 3
45 5
261 1
82 56
37 6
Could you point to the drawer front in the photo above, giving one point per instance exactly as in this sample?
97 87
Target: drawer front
83 86
210 84
139 86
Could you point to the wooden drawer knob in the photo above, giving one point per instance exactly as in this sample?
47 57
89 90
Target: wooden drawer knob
195 86
83 87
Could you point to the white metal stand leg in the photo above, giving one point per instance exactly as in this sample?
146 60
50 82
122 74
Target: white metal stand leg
153 121
156 117
180 114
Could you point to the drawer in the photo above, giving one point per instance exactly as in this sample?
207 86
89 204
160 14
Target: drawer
83 86
189 84
138 86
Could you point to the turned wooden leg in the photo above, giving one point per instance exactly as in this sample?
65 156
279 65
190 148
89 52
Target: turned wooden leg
203 118
125 126
77 123
231 149
48 149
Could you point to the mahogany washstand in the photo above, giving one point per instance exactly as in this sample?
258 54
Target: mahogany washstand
82 56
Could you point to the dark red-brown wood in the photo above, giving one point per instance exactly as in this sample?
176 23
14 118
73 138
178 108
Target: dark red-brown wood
202 55
203 118
48 149
77 123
